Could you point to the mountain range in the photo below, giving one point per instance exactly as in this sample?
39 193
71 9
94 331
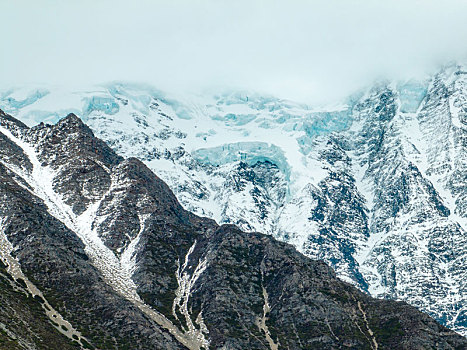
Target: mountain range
374 187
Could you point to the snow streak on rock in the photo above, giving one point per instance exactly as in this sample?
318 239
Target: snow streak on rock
262 322
186 282
117 272
370 332
375 187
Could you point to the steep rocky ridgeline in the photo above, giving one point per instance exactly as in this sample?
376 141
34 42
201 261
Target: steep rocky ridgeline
415 241
375 187
54 259
106 245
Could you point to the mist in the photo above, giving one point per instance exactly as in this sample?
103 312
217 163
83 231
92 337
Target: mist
310 51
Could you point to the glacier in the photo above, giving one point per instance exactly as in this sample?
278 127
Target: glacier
12 100
411 95
100 104
374 186
247 152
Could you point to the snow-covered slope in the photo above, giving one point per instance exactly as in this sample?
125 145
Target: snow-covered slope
197 144
375 187
116 262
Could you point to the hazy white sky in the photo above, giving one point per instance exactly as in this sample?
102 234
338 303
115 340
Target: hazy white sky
314 51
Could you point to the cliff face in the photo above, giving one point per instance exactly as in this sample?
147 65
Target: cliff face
104 256
376 187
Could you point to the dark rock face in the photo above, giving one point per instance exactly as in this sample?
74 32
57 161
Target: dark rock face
310 308
23 323
112 250
82 161
53 258
376 188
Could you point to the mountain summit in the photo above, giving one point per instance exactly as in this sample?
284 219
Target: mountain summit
98 253
375 187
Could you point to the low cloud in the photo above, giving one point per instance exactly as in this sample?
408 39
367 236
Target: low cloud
314 51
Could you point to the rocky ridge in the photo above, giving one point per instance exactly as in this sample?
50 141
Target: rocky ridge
110 249
375 187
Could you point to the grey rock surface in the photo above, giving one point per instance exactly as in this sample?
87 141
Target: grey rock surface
112 250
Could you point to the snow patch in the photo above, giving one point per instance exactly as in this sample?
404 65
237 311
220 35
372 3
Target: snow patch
117 274
186 282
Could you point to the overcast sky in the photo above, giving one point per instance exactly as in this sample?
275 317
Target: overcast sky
314 51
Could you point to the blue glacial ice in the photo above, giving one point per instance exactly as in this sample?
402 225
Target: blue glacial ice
247 152
105 104
255 101
138 96
322 123
141 96
231 119
10 104
411 94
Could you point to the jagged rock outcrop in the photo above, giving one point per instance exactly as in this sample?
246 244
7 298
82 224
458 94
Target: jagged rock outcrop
375 187
113 255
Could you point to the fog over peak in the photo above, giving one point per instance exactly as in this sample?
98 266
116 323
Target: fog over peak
312 51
